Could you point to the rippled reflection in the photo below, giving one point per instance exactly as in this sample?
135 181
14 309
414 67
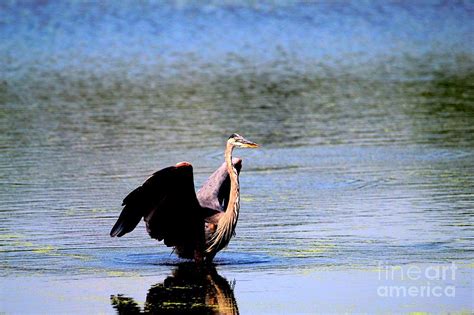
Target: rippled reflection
190 289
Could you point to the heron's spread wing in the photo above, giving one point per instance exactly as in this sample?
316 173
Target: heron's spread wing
214 194
167 202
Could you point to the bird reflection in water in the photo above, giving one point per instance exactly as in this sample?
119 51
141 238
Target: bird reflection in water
191 289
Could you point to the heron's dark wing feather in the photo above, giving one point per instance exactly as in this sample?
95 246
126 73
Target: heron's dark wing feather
214 193
167 202
131 214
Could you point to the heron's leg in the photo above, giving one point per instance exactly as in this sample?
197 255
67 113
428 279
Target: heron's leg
198 257
210 257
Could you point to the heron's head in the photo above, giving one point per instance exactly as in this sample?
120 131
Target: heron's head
237 140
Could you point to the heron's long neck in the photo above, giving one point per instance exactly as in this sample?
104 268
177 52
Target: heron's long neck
226 225
234 197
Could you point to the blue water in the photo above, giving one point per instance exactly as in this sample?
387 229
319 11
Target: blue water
100 37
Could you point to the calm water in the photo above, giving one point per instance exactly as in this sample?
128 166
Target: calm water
365 113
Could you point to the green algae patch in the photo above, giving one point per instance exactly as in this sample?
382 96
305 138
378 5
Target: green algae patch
45 250
7 237
315 249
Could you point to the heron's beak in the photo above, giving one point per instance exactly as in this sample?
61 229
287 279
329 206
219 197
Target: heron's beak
248 144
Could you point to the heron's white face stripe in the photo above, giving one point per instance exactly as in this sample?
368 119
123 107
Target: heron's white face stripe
235 143
238 144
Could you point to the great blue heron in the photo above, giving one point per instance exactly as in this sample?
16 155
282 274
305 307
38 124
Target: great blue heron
196 225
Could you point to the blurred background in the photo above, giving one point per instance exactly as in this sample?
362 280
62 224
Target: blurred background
364 110
325 72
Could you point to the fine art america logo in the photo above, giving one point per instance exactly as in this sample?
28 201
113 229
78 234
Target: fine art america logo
417 281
